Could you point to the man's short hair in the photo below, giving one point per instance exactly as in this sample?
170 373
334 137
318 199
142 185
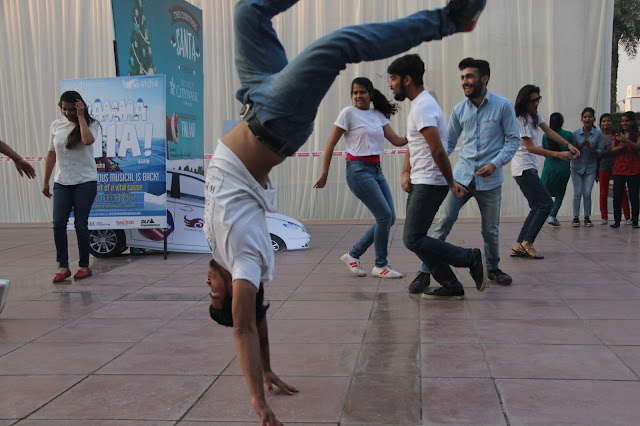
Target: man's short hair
408 65
480 64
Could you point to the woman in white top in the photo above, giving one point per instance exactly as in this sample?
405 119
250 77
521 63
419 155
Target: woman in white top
364 130
524 168
75 182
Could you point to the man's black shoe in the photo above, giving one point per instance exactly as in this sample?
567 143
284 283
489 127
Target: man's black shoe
500 277
420 283
444 293
477 269
464 13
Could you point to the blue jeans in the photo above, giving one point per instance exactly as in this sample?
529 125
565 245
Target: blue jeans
367 182
79 198
489 203
439 256
285 96
582 185
540 203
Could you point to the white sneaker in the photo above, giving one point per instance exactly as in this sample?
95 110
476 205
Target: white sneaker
353 264
4 292
604 222
386 272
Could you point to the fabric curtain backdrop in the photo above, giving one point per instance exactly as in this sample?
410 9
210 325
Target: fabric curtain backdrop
561 46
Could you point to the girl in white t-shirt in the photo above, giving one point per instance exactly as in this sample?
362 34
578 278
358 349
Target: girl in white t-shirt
364 131
75 182
524 168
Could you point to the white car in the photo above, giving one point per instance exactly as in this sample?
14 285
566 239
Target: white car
185 220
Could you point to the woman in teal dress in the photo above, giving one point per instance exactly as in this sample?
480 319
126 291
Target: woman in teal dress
556 172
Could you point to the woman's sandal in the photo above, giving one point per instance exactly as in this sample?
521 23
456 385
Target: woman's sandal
535 255
518 253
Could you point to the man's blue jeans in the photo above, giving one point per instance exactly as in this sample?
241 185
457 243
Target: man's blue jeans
439 256
367 182
489 203
79 198
540 203
285 96
582 185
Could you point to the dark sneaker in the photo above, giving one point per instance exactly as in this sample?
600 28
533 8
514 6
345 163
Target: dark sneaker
615 225
444 293
587 222
420 283
464 13
576 222
477 269
499 277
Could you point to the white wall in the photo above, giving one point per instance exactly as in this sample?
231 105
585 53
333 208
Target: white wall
563 46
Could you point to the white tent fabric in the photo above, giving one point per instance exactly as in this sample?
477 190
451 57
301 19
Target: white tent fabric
563 46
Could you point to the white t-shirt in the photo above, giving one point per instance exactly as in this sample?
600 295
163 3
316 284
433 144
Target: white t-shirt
235 221
77 165
425 112
364 135
525 160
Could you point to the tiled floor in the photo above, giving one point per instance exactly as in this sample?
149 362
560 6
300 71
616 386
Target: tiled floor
134 345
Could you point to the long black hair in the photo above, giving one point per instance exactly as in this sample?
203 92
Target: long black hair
380 102
556 120
633 131
74 138
522 101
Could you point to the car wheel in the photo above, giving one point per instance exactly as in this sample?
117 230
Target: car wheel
277 244
107 242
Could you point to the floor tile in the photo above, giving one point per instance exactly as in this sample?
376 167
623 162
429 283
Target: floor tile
613 309
309 360
580 402
309 310
103 330
61 358
26 330
141 309
192 358
519 309
556 362
630 355
127 397
23 394
540 331
383 400
617 332
453 360
316 331
320 400
460 402
389 359
448 331
180 331
396 331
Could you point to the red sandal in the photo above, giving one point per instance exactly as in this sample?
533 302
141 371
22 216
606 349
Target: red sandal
61 276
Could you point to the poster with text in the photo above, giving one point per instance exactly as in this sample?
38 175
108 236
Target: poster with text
129 150
165 37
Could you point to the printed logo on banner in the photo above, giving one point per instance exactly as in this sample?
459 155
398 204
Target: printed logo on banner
148 223
194 223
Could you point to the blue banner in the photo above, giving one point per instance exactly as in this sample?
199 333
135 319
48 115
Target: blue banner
165 37
129 150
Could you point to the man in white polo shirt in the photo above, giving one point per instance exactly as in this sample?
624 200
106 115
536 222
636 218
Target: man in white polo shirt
427 177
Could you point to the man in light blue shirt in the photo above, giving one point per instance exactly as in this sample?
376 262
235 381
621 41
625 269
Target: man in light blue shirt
490 138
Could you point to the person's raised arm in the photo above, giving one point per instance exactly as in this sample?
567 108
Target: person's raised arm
21 164
555 136
85 133
335 136
392 137
440 157
562 155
